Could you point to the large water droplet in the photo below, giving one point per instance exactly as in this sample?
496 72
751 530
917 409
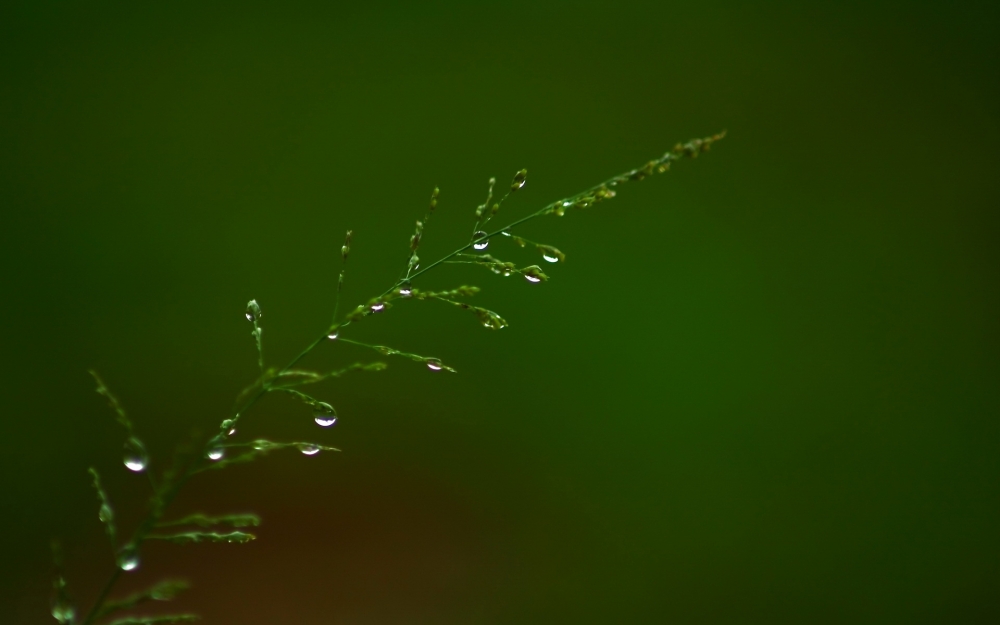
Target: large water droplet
128 559
324 418
216 453
136 459
481 242
550 257
434 364
333 335
531 278
309 449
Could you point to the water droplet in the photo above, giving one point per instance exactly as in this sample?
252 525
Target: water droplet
253 310
231 431
405 290
128 559
325 418
434 364
309 449
216 453
531 278
481 243
333 335
136 459
377 307
550 258
567 203
506 273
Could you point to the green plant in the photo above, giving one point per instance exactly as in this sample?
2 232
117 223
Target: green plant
222 450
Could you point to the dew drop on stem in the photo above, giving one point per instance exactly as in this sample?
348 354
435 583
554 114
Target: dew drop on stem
324 418
480 240
309 449
333 335
550 257
253 310
128 559
434 365
215 453
531 278
135 458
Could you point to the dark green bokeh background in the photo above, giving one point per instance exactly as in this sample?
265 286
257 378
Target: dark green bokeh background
763 388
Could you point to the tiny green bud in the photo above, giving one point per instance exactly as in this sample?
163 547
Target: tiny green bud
519 180
346 249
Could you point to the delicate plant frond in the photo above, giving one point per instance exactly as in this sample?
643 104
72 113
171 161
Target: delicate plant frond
309 400
161 591
203 520
532 273
259 448
462 291
155 620
418 234
182 538
549 252
105 513
62 607
311 377
189 461
253 315
487 318
113 402
434 364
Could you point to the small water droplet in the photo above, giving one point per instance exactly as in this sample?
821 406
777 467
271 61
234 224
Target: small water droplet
567 203
128 559
309 449
216 454
550 258
231 431
333 335
531 278
253 310
481 243
377 307
250 316
136 459
434 365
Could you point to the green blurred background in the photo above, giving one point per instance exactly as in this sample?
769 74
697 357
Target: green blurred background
763 388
